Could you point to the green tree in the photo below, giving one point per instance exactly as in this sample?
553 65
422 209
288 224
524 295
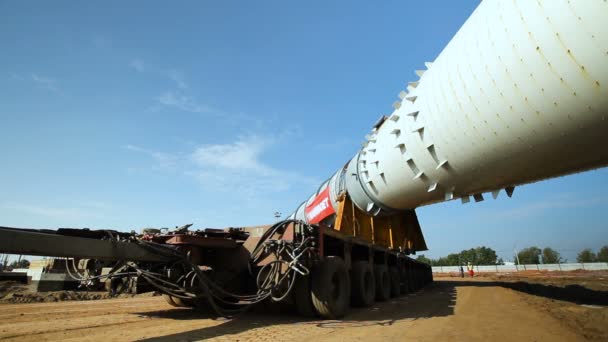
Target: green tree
452 259
530 255
424 259
468 255
478 256
586 255
551 256
486 256
602 255
443 261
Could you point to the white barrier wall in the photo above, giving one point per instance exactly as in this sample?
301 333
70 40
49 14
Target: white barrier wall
595 266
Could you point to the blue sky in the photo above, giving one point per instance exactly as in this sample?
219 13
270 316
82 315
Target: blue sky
125 115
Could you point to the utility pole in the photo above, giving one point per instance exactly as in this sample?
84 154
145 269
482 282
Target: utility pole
516 257
516 254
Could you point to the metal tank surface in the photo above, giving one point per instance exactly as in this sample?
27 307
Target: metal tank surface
518 95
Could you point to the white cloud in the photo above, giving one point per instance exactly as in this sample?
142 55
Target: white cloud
165 160
138 65
45 82
38 80
236 167
177 97
64 214
338 144
16 76
101 41
243 154
177 77
182 102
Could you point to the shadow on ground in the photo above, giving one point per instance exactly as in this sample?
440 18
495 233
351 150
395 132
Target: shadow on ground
437 299
571 293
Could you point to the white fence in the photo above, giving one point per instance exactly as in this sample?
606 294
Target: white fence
594 266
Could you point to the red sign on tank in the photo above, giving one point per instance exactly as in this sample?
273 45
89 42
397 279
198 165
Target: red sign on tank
320 208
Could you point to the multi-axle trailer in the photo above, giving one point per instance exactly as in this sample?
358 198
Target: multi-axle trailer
318 269
517 96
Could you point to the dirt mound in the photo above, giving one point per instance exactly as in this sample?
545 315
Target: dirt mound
10 288
15 293
45 297
60 296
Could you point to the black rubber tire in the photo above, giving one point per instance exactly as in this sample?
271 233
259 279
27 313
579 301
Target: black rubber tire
303 296
404 280
178 302
169 300
383 283
395 281
413 285
363 284
330 288
186 303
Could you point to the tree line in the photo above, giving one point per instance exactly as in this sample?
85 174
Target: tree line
587 255
477 256
532 255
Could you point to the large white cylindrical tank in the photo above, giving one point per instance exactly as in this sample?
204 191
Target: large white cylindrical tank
518 95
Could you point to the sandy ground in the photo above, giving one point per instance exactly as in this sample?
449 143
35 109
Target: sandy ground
451 309
15 293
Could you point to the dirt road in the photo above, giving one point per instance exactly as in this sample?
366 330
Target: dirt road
448 310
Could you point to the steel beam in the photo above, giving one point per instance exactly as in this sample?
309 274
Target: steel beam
31 242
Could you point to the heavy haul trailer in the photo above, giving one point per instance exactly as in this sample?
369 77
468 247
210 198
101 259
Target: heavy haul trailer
517 96
319 269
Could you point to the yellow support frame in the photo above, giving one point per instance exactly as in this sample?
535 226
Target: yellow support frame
399 231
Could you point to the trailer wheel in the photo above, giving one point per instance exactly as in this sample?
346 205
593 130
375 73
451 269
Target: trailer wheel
169 300
331 288
414 282
395 282
177 302
303 297
383 282
363 285
404 280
